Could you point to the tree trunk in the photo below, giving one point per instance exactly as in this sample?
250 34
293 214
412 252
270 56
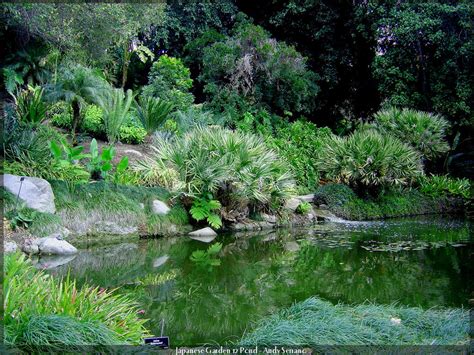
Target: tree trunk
76 116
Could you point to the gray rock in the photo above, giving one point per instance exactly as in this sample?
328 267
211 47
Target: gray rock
306 198
323 207
159 207
30 246
142 206
36 193
9 247
55 246
204 232
292 204
269 218
108 227
160 261
326 215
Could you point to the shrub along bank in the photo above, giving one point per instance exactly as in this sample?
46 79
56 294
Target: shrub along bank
345 203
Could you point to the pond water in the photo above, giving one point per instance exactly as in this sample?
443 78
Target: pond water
414 262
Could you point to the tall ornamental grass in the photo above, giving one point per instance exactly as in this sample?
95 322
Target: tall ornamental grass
35 304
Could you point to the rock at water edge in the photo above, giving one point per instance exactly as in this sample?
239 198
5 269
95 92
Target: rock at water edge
55 246
159 207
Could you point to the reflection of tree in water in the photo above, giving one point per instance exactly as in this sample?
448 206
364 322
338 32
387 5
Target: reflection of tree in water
213 305
416 278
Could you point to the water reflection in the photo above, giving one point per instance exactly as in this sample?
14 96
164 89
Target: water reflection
261 273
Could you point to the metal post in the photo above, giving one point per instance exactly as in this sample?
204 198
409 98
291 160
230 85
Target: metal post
19 190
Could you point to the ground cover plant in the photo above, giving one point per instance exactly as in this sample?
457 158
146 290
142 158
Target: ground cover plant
316 322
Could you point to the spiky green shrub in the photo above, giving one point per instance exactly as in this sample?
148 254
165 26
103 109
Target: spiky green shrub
152 112
29 294
439 185
232 166
30 105
115 105
424 131
368 159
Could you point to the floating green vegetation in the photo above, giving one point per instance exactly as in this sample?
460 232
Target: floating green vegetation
316 322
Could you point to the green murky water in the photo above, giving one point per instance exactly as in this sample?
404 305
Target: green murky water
416 262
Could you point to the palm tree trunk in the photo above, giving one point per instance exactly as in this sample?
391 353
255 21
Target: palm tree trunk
76 116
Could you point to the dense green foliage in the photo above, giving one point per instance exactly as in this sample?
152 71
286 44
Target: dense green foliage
316 322
300 143
85 32
437 186
30 294
425 55
170 80
250 68
368 158
423 131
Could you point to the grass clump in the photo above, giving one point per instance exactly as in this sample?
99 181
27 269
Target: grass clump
87 205
317 322
36 303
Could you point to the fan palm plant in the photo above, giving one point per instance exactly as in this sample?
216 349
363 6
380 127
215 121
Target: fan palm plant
424 131
369 159
115 105
152 112
77 86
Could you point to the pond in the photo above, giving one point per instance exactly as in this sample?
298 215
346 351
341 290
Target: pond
415 262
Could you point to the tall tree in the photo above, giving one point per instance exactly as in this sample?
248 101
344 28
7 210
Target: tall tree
337 37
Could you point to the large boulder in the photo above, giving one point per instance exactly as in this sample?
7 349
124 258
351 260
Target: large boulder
36 193
204 232
159 207
55 245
